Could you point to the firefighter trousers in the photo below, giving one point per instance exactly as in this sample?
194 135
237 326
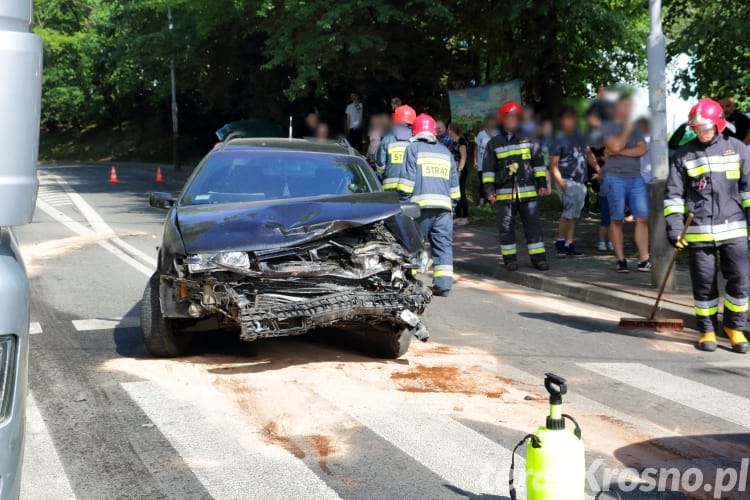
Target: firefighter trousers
506 221
436 226
705 262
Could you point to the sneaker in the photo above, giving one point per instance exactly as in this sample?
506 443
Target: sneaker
622 266
645 266
610 246
594 213
601 246
541 265
461 221
560 248
571 251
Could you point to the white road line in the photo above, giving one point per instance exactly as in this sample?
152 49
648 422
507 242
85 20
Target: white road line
88 325
43 474
461 456
98 224
82 230
35 328
694 395
225 453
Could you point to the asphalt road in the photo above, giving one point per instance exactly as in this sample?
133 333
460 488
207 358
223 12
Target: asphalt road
313 417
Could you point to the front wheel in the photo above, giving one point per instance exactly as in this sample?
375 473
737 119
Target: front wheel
389 342
160 336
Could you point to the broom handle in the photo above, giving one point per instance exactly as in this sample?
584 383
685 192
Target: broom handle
676 251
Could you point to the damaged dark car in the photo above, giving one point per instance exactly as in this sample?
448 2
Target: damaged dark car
278 237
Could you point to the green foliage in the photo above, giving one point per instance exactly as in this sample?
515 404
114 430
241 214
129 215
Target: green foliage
715 36
107 61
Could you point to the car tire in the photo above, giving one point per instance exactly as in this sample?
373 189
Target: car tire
390 342
160 336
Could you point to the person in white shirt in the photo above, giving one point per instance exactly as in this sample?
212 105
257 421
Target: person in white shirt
644 125
483 137
354 112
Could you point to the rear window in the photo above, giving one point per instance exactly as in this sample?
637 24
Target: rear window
242 176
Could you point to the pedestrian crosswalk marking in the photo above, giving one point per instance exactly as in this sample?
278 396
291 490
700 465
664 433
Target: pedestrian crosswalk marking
43 475
680 390
441 444
87 325
225 453
35 328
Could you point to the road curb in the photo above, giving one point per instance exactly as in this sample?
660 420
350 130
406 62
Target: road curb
631 304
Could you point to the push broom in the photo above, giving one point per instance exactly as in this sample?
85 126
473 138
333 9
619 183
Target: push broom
651 322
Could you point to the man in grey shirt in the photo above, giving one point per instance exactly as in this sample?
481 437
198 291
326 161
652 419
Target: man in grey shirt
623 184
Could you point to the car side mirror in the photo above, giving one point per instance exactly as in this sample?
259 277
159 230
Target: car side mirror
411 210
162 200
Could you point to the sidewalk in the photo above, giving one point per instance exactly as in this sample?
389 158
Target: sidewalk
590 278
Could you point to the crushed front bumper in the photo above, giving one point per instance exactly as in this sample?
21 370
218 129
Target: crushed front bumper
298 317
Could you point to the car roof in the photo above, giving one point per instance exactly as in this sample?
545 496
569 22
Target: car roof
304 145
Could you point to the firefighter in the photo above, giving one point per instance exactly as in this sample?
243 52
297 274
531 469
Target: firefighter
514 174
390 155
710 177
429 178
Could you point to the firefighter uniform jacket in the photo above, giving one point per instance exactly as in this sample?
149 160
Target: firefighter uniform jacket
390 160
429 177
502 156
712 181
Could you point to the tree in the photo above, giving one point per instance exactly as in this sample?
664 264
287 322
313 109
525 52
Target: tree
715 37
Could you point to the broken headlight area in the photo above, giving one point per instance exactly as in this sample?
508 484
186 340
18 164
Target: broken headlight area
354 277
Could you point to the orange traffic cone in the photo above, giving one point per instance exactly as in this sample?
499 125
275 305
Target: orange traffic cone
159 177
113 175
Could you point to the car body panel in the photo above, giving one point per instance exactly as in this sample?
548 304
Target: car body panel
14 320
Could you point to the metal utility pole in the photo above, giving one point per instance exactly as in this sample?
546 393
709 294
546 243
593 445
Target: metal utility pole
175 122
661 250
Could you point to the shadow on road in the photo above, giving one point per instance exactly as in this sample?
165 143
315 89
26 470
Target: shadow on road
593 325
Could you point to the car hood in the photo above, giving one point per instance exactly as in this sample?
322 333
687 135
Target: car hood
278 223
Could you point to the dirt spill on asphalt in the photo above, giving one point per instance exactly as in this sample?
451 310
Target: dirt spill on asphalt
283 389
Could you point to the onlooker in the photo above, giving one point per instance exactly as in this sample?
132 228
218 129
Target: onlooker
321 131
312 120
623 183
460 149
353 125
442 133
601 106
483 137
379 124
597 177
395 103
568 159
644 127
740 122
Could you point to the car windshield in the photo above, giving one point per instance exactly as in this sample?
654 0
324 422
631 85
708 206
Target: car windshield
242 176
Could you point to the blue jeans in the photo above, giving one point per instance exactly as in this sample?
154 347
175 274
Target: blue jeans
436 226
621 191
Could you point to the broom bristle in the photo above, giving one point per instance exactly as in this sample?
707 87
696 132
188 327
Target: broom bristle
653 324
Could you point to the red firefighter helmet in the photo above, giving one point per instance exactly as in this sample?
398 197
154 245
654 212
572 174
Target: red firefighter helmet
404 115
707 113
508 108
424 123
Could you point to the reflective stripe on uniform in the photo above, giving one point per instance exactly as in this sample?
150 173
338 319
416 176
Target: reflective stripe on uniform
707 307
405 185
716 164
508 249
745 199
442 271
455 193
734 304
488 177
389 184
674 206
536 248
523 193
717 232
524 150
540 172
433 201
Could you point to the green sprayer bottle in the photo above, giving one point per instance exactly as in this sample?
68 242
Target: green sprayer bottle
555 459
